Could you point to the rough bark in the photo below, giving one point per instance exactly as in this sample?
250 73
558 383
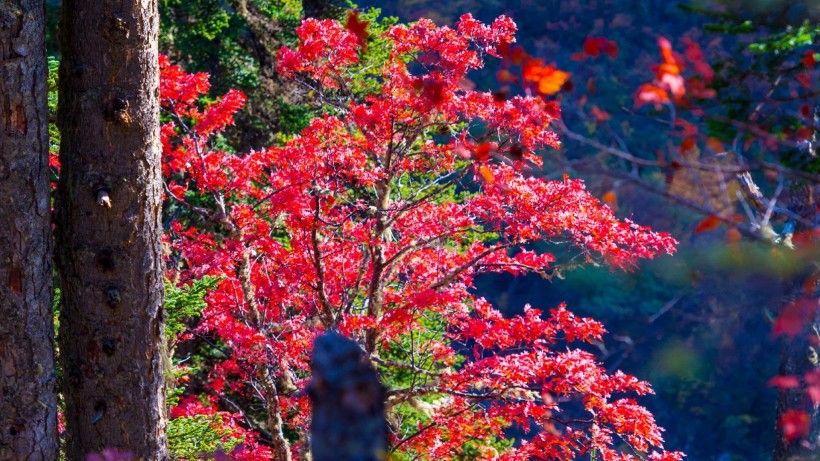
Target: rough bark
348 403
28 405
108 229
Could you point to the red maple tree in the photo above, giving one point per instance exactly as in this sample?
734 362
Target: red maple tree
375 221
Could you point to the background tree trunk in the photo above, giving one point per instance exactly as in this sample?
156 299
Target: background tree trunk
348 403
28 405
800 354
108 229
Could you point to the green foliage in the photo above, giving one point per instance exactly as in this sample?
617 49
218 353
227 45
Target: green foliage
53 132
190 437
788 40
205 35
184 304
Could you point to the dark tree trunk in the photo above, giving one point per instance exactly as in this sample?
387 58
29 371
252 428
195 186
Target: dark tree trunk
348 403
800 353
108 229
28 404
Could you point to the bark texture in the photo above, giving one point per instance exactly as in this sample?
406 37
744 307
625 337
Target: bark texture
28 405
108 229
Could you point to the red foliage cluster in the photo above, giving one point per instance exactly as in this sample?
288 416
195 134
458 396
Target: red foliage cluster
375 221
669 76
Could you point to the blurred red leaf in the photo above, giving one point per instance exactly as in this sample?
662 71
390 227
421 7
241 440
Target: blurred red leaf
733 235
552 80
651 94
610 198
599 114
687 144
794 317
710 223
486 173
358 28
466 84
504 76
784 382
483 151
611 49
795 424
805 133
804 79
518 55
592 46
715 145
808 59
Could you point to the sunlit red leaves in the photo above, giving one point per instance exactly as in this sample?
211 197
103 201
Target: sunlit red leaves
310 191
795 424
670 84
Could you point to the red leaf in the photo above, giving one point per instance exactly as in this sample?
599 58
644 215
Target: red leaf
552 80
610 198
733 235
710 223
804 79
784 382
805 133
666 50
808 59
504 76
483 151
611 49
592 46
358 28
486 173
688 144
518 55
651 94
795 317
715 145
600 115
795 424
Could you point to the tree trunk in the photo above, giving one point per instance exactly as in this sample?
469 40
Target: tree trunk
800 353
108 229
28 403
348 403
